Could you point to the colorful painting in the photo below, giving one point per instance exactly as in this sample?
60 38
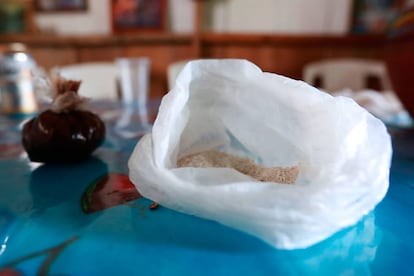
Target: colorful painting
138 15
15 16
60 5
375 16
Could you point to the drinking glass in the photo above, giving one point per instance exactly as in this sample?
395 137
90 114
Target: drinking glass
134 84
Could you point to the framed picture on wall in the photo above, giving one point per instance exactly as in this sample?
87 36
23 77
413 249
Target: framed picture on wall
374 16
16 16
138 16
60 5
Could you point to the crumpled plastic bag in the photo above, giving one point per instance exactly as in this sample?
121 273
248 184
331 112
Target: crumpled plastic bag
343 153
384 105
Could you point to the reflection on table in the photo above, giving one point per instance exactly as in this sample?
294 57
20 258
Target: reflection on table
52 221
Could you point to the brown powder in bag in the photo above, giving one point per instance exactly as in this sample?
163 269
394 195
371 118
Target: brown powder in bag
218 159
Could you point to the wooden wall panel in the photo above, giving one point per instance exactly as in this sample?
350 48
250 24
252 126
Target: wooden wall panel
282 54
287 61
287 55
48 57
98 54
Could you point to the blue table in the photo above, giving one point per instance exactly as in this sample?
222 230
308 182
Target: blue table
45 230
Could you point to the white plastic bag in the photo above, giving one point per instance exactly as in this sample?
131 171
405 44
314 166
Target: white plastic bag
343 153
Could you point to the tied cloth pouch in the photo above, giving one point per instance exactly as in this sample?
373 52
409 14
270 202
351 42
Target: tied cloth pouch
262 153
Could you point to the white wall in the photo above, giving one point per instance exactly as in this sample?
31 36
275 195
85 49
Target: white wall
274 16
93 21
181 15
282 16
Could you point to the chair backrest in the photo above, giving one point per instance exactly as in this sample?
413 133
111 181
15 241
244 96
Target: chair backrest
173 70
357 74
99 79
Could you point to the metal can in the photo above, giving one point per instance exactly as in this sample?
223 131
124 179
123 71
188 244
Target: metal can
16 81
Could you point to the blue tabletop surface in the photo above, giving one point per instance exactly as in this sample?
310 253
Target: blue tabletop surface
44 231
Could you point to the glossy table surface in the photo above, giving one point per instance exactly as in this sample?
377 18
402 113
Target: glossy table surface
47 227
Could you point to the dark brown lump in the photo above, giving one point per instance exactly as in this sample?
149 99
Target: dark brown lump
65 133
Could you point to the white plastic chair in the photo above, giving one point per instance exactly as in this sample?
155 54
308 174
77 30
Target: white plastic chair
99 79
173 70
346 73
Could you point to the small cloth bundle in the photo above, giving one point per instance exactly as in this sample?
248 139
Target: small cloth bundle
262 153
65 133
